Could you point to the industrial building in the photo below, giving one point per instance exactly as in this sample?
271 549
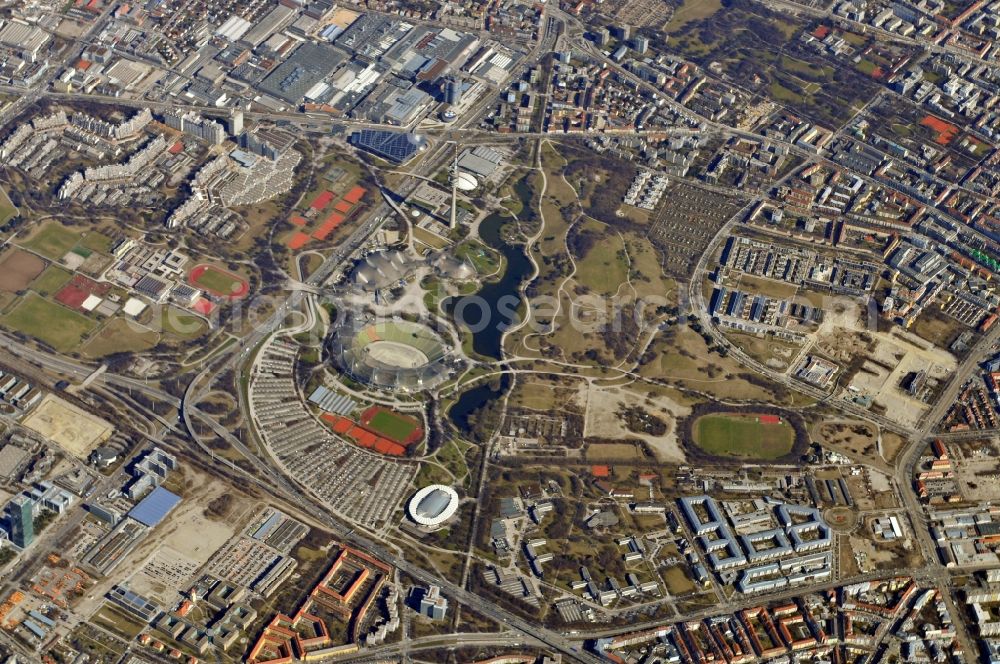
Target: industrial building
303 74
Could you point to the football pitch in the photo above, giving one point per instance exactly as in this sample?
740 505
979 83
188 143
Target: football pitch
59 327
218 281
743 436
394 427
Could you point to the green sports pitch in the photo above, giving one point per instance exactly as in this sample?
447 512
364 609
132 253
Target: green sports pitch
393 426
743 436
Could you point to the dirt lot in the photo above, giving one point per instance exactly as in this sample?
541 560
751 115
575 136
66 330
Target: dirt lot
936 327
620 452
602 421
889 358
18 269
73 429
851 435
892 444
775 353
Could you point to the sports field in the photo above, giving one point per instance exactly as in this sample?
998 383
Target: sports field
743 436
396 427
396 354
18 268
56 325
218 282
51 280
52 240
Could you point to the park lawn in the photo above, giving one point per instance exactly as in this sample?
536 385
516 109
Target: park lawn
392 426
219 281
692 10
677 581
484 259
7 209
52 240
308 264
179 323
781 93
797 66
535 395
54 324
51 280
651 282
452 457
900 129
743 436
98 242
604 268
120 336
431 473
432 240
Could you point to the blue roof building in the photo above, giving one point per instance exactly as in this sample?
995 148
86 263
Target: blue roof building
155 507
394 146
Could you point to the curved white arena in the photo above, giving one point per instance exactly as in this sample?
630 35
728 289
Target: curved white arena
433 505
466 181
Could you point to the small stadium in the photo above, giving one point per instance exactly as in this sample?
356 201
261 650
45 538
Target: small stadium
392 355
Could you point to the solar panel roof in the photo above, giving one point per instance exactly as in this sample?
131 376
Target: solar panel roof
152 509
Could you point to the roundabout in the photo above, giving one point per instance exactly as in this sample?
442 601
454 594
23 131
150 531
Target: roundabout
841 519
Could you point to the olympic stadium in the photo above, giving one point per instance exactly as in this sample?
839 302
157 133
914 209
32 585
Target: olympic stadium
433 505
394 355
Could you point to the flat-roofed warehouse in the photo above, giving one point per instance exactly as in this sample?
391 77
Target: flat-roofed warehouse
408 106
234 28
372 35
155 507
305 69
26 39
482 161
425 45
277 19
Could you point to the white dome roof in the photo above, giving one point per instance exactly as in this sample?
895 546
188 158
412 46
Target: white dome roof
466 181
433 505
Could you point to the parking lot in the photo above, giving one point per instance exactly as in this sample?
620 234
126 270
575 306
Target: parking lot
364 486
685 223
